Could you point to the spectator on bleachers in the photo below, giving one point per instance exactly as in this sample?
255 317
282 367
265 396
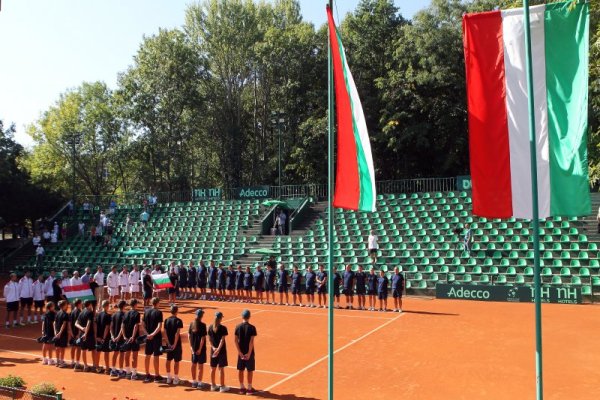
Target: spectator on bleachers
81 228
109 234
152 200
46 236
63 231
53 238
281 222
56 229
128 224
71 207
373 244
86 208
112 207
468 240
99 233
37 240
144 217
39 256
103 217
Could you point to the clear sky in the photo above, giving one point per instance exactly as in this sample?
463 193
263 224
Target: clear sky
48 46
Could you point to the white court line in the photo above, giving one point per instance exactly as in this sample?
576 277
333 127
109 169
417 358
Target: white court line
309 366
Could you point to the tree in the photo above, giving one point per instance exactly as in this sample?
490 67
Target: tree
81 132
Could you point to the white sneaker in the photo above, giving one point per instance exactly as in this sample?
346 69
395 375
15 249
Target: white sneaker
202 385
224 389
45 362
214 388
51 362
176 381
169 381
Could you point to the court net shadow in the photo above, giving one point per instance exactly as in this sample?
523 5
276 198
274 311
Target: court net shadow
269 395
430 313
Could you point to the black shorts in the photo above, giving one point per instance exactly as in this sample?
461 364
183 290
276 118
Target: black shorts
248 365
153 346
38 303
192 284
360 291
371 292
61 342
270 288
222 285
248 288
322 289
382 295
220 361
230 287
88 344
12 306
175 355
282 289
147 294
348 291
183 284
172 290
396 293
26 301
296 290
310 290
105 348
239 287
259 289
124 348
202 283
212 285
372 251
199 358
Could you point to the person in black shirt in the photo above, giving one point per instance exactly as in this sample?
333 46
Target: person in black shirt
259 284
270 277
172 291
85 324
57 293
348 280
239 283
74 332
322 286
283 285
103 336
183 282
197 339
230 273
193 281
147 287
153 320
61 332
48 333
310 283
372 289
173 326
221 281
212 280
202 277
337 279
244 341
272 262
116 336
130 330
361 281
218 352
248 278
297 286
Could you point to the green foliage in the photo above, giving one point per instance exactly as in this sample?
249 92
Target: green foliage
12 381
44 388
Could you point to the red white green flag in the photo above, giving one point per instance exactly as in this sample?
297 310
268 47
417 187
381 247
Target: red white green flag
494 44
162 281
81 292
355 174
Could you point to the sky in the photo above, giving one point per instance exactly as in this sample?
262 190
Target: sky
49 46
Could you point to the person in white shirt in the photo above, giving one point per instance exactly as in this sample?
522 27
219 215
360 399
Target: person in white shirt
39 294
56 228
11 295
53 238
48 286
46 236
124 283
373 246
36 240
76 280
281 218
87 276
81 227
26 297
65 280
134 282
112 282
99 279
39 256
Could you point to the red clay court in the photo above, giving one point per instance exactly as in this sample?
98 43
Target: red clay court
435 349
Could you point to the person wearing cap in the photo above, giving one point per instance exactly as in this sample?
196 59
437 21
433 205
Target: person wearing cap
103 320
244 342
218 352
296 286
197 339
173 326
270 277
153 320
283 285
130 330
230 283
248 278
322 286
116 336
259 284
239 284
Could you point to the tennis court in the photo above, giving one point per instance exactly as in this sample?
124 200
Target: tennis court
454 349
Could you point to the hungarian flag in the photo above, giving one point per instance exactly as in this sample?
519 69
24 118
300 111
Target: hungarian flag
355 175
81 292
162 281
494 45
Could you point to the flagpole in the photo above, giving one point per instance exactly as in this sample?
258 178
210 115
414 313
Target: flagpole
535 222
330 218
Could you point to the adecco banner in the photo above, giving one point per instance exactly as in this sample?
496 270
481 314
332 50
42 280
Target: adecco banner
252 192
516 294
463 182
207 194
